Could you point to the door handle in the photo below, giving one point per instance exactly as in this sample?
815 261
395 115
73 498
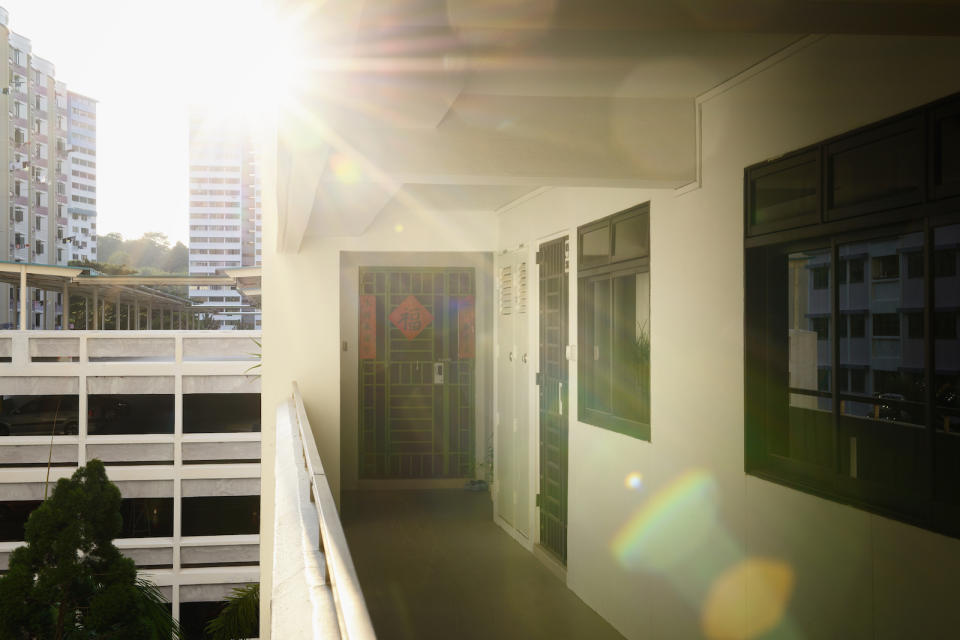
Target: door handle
560 398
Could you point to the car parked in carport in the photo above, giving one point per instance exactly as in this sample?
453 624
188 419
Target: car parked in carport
38 415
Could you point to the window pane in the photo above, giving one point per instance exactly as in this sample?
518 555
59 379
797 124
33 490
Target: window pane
914 325
915 264
946 415
785 194
821 277
876 170
886 325
129 414
39 415
856 270
858 325
945 263
631 237
889 365
146 517
809 429
595 247
630 379
599 398
13 517
221 515
195 616
885 267
221 412
947 150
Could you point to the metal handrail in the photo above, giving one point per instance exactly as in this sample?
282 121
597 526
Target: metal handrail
352 615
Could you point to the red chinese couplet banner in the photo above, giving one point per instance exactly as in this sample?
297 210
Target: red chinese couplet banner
467 341
368 327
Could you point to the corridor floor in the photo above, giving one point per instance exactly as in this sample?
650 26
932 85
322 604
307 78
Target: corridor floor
432 565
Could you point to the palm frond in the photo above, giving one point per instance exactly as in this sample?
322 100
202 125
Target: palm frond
240 618
153 607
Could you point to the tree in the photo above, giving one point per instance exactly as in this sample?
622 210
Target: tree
70 581
240 618
150 253
177 260
108 244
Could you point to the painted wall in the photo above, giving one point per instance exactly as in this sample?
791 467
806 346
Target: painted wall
718 546
723 554
301 308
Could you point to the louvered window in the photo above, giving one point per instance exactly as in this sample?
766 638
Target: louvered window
506 291
522 288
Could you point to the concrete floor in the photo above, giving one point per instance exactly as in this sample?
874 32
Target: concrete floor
432 564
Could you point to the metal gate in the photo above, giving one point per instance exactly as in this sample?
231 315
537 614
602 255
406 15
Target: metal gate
552 499
417 352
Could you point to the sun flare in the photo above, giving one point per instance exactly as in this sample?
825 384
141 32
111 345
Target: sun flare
246 61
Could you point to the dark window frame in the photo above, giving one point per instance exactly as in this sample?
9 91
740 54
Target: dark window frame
586 278
910 125
916 499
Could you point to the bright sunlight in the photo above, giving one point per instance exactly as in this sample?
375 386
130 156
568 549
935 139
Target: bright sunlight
247 60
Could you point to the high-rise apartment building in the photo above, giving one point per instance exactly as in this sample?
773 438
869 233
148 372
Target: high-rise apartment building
225 224
82 187
49 186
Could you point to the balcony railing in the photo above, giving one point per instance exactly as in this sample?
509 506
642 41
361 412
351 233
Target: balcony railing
313 573
25 348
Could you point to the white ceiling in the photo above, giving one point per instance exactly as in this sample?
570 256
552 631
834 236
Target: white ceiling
466 105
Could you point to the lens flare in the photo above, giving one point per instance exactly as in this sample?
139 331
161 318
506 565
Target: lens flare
345 169
765 583
669 526
398 228
634 481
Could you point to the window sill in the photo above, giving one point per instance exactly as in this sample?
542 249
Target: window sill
637 430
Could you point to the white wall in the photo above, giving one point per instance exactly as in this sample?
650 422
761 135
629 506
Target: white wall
716 547
301 316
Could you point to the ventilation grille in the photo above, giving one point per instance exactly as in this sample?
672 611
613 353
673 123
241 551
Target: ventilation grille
506 291
522 288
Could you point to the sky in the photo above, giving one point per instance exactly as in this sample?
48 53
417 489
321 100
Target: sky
145 63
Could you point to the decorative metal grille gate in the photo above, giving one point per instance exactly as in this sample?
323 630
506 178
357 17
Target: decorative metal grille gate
416 388
553 381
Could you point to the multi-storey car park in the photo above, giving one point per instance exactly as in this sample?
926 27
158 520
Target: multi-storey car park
172 411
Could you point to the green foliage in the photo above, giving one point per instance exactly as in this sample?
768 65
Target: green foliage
69 580
641 345
240 618
108 268
258 354
150 254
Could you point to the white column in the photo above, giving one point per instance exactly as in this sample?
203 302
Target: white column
23 298
65 307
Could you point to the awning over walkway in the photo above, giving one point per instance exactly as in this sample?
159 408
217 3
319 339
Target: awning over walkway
135 290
